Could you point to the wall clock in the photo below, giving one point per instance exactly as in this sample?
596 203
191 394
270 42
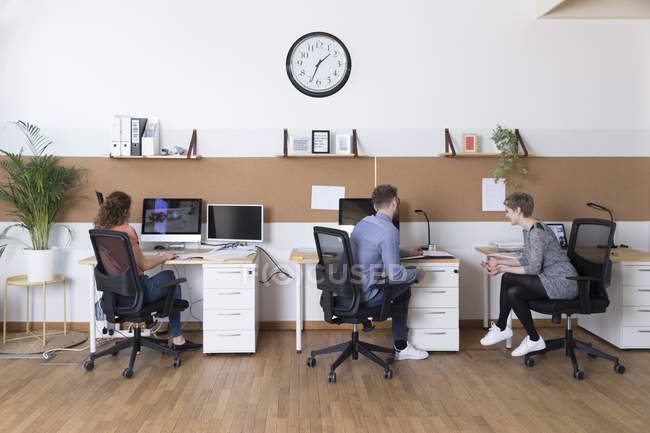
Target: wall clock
318 64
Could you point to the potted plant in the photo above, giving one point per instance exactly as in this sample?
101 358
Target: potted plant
37 187
508 147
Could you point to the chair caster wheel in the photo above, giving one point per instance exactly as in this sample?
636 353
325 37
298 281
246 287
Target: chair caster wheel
390 359
331 376
388 373
128 373
311 362
176 362
89 365
592 356
529 362
619 368
579 375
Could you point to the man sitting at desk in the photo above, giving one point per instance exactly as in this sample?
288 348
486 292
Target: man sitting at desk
114 215
375 248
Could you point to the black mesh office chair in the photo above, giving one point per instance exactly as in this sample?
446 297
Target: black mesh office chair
589 251
116 276
341 300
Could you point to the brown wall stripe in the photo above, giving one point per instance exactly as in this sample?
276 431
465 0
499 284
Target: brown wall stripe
448 189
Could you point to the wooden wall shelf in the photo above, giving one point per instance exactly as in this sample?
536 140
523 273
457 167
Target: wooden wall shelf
479 155
286 154
450 150
156 157
321 155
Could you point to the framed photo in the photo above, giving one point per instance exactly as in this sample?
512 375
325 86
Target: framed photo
320 141
343 143
470 143
300 144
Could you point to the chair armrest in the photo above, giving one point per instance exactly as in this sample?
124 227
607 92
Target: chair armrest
169 298
387 290
584 286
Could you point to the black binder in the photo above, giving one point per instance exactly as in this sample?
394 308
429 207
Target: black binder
137 131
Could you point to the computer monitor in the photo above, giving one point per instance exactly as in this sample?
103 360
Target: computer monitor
353 210
171 219
235 223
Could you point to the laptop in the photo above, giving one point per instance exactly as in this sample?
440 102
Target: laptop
560 234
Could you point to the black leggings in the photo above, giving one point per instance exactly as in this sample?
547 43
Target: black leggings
516 291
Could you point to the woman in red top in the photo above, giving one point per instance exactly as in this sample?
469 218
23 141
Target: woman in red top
114 215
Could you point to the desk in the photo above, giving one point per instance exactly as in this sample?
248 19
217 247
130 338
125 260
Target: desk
230 288
433 309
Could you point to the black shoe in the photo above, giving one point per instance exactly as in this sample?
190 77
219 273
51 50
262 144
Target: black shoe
188 345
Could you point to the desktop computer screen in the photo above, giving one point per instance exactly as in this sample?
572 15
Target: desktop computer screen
171 219
353 210
235 222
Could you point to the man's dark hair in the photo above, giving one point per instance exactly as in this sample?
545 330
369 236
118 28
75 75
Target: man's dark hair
521 200
382 195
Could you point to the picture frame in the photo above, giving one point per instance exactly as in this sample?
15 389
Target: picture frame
320 141
301 144
470 143
343 143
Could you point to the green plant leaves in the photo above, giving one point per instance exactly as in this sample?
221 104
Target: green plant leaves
506 142
37 186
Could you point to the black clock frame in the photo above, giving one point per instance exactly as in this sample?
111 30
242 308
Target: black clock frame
334 89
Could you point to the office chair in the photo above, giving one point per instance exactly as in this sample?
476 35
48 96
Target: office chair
341 299
116 276
589 251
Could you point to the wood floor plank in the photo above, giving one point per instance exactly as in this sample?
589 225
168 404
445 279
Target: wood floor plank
274 391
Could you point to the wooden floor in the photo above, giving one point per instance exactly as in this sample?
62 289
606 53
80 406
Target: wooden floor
274 391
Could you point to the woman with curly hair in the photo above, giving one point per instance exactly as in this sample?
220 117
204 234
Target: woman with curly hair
114 215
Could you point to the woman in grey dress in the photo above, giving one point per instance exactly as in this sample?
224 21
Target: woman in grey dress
539 274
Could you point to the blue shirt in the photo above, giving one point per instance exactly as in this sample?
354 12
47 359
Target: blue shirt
375 249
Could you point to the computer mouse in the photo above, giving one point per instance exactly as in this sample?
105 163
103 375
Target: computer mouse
158 247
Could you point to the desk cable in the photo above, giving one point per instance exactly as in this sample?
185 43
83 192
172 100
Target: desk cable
279 269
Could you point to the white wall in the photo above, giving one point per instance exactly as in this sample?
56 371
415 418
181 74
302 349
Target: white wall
574 88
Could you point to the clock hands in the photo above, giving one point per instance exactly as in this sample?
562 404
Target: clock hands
317 65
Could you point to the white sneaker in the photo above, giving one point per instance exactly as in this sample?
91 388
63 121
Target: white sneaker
495 335
410 352
528 346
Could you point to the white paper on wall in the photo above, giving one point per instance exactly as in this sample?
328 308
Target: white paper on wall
494 194
326 197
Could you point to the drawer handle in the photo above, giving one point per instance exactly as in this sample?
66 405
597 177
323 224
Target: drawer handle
644 331
644 311
228 272
644 290
435 270
435 312
229 335
643 270
229 293
435 291
229 314
435 333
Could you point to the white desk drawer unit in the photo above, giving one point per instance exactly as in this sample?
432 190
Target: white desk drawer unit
626 323
230 308
433 308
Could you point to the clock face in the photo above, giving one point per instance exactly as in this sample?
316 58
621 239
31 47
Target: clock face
318 64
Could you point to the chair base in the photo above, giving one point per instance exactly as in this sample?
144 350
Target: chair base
352 349
135 343
570 344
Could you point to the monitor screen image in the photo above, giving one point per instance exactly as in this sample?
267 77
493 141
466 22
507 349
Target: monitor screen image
353 210
172 216
560 234
236 222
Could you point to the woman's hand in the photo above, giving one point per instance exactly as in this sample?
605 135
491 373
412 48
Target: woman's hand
417 251
169 255
492 267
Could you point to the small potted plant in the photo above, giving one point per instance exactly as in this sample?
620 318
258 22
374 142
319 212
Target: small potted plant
508 147
37 187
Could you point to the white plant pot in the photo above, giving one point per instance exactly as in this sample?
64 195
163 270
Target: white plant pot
41 264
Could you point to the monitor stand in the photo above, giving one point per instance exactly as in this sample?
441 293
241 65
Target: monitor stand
176 247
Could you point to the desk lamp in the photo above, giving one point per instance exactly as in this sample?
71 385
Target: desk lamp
603 208
429 246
